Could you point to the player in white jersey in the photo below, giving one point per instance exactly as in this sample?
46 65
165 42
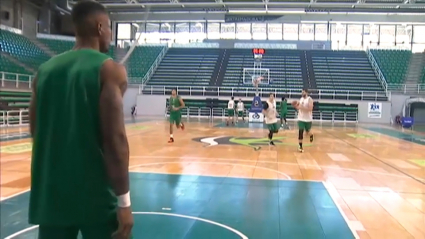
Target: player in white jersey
241 110
305 117
230 111
270 116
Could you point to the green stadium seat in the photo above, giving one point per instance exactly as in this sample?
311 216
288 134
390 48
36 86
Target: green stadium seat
393 64
284 66
8 66
14 100
23 49
345 71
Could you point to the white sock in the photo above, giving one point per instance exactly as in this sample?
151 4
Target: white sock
171 135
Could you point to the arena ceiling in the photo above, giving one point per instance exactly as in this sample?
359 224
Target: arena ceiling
266 6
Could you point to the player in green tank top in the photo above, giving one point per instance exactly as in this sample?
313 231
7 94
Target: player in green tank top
283 111
176 104
80 154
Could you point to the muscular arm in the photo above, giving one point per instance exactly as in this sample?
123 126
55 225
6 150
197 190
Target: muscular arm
33 106
115 144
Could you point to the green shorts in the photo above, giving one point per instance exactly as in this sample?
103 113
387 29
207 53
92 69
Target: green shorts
274 127
240 113
175 117
91 231
283 115
304 125
230 112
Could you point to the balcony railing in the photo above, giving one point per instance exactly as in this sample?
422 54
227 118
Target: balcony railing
211 91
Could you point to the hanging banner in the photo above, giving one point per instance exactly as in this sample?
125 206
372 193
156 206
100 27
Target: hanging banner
249 18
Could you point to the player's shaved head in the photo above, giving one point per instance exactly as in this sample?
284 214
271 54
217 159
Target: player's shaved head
91 20
83 14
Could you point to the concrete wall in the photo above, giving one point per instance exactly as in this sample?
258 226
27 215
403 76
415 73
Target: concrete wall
364 111
29 20
130 99
151 105
22 15
397 103
7 5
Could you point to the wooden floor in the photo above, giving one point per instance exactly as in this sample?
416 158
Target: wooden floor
376 180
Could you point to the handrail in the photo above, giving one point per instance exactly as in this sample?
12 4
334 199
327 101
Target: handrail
378 71
220 112
14 118
155 65
23 82
250 91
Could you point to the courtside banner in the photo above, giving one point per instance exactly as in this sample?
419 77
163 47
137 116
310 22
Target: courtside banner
249 18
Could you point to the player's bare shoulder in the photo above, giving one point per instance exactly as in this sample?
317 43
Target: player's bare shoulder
115 72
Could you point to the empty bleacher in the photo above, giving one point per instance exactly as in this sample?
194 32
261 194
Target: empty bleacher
141 60
9 66
344 71
393 64
59 46
284 66
22 49
14 100
186 67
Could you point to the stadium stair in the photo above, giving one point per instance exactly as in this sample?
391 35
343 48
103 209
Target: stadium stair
220 68
42 46
311 78
414 72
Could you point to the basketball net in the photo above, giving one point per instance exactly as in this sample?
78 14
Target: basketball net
256 80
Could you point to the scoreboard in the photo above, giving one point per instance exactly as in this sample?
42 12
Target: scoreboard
258 51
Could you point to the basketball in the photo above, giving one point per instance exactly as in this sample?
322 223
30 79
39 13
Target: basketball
295 103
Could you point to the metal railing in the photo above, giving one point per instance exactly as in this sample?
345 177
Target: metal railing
407 88
155 65
318 116
14 118
264 92
378 71
22 81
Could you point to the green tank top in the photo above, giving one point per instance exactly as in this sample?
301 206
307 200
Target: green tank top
68 177
283 107
175 102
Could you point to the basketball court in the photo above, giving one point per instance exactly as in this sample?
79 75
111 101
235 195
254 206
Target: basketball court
352 182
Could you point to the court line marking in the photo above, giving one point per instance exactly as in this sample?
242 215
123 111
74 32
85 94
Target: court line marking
147 164
154 213
195 218
203 162
21 232
329 187
265 161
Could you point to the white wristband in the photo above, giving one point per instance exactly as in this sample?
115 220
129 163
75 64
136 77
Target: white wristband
124 200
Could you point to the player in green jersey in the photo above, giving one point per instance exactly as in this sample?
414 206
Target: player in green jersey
176 104
80 154
283 112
